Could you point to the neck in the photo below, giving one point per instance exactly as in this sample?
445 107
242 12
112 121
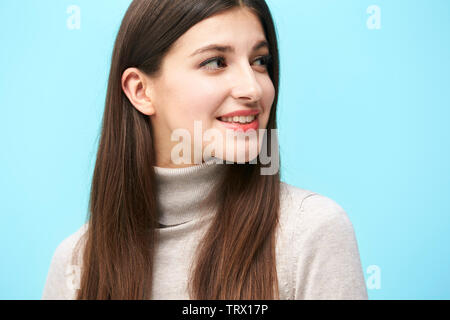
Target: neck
182 192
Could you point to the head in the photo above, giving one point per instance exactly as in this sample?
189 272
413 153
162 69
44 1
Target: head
162 80
192 83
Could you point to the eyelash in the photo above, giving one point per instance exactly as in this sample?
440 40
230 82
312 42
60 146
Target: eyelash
266 60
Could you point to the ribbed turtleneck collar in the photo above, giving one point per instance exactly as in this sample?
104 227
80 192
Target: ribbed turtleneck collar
182 190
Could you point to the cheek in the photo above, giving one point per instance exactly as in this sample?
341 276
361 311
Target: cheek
268 98
195 98
268 92
187 98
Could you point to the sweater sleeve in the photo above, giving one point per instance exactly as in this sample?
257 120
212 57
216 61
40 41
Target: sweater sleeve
328 264
63 275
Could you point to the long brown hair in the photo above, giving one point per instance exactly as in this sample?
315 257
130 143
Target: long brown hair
236 257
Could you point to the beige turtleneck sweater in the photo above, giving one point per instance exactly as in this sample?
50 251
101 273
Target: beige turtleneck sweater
317 254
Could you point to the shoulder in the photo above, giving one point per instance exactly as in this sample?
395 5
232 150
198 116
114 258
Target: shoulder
67 247
319 247
64 266
312 224
310 211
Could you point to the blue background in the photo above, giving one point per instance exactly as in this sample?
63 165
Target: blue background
363 119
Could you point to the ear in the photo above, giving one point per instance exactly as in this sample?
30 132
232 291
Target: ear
137 87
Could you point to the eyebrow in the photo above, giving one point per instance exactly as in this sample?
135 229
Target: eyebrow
221 48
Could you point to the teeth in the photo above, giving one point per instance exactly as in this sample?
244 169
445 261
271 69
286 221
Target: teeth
241 119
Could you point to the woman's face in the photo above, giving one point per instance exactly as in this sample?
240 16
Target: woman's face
194 87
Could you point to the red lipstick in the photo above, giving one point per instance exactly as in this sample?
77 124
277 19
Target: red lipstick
239 113
241 126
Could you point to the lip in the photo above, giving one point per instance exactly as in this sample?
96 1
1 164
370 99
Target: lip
239 113
254 125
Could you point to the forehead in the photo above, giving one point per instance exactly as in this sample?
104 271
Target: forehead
238 27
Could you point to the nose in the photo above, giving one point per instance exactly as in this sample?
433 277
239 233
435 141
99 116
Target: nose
246 85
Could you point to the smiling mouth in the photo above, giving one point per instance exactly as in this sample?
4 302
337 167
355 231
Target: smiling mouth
243 123
239 119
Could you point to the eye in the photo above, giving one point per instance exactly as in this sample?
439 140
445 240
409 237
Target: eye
210 61
264 59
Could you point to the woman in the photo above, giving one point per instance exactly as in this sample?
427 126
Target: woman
161 228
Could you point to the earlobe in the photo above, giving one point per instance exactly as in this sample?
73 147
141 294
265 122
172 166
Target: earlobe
145 107
148 91
150 110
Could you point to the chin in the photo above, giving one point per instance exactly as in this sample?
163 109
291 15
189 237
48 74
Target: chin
249 153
